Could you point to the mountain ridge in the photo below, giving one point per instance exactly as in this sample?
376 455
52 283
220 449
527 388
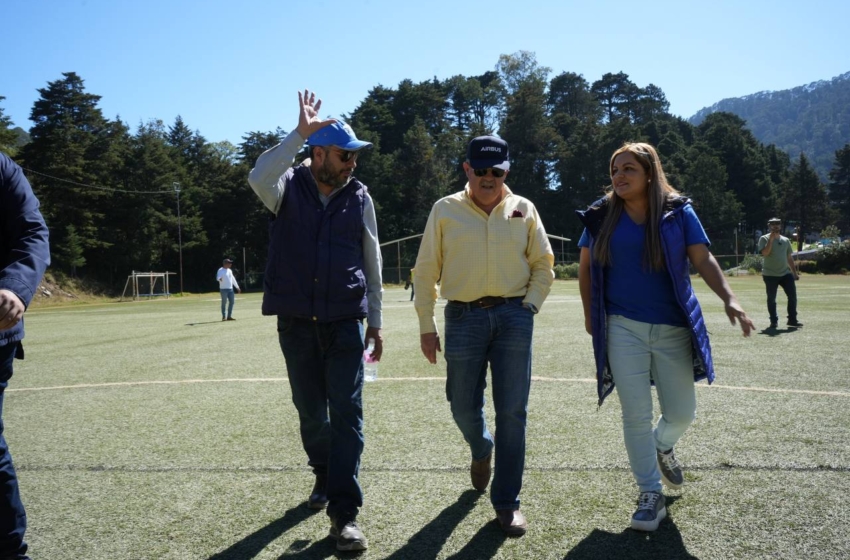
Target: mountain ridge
813 118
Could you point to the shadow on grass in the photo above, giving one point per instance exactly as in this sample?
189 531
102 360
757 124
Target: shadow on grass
776 332
205 323
429 541
318 550
485 543
666 542
253 544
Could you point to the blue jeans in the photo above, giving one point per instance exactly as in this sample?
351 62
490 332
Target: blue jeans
789 285
13 518
227 297
325 366
501 337
637 354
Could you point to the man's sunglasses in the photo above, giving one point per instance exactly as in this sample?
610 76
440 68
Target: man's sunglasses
497 173
345 156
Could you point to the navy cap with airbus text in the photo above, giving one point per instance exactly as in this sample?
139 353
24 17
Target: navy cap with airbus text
488 151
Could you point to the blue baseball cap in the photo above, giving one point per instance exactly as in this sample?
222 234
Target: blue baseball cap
338 134
488 151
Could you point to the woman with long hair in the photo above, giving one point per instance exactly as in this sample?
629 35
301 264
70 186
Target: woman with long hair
640 308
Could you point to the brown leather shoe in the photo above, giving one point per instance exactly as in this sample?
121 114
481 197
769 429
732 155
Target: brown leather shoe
480 471
512 522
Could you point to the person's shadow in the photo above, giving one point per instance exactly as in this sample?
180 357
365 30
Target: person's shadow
666 542
429 541
253 544
771 332
484 544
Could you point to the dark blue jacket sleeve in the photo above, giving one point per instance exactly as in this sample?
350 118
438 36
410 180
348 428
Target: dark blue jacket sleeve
24 248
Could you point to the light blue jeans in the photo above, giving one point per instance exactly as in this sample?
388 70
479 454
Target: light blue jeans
228 297
639 353
501 338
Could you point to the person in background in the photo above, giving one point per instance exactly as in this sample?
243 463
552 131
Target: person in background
410 284
24 256
640 308
488 249
226 284
322 279
779 269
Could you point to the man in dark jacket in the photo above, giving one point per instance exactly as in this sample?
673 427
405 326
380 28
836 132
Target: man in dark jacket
322 279
24 255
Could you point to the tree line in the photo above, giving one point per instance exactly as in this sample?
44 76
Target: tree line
109 194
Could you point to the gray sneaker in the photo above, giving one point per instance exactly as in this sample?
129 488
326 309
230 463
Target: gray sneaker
671 469
348 537
651 510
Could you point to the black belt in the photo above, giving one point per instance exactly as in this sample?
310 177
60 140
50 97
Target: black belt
483 303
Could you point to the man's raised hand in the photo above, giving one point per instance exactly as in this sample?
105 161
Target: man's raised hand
308 118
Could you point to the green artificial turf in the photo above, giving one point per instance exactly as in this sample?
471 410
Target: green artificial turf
152 430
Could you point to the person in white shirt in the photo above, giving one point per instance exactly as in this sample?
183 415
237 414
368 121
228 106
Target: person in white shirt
227 283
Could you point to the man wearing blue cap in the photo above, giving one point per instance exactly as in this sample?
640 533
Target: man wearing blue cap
489 251
323 277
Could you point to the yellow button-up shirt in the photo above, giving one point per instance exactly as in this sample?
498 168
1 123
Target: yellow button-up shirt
474 255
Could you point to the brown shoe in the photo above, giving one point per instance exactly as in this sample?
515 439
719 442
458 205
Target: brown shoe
480 471
512 522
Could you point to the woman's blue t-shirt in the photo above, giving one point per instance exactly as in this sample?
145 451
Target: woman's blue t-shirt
635 292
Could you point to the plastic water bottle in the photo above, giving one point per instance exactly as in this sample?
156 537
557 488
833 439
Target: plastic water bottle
370 364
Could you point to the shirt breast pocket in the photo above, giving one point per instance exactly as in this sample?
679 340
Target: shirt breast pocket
519 232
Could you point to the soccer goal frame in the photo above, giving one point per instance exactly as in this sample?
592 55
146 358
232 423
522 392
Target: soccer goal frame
155 280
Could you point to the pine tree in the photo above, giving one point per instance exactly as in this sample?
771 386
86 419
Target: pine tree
70 251
65 154
804 200
8 137
746 163
839 188
533 141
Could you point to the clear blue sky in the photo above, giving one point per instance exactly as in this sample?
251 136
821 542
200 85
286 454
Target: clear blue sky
230 67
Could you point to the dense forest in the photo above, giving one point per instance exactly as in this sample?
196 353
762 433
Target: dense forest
111 196
813 119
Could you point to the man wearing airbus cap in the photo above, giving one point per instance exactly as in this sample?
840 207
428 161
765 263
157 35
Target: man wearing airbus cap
323 277
488 249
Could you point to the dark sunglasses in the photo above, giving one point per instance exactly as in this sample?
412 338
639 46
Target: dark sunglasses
345 156
483 172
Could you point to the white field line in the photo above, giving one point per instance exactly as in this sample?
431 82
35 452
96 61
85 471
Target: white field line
384 379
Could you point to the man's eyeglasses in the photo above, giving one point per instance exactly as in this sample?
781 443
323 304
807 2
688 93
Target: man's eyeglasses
497 173
345 156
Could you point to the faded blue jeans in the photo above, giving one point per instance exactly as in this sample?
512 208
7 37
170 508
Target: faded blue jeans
640 352
501 337
325 366
13 518
227 297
